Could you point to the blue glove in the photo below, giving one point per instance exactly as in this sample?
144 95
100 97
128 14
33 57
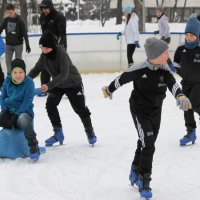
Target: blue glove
38 91
156 32
118 35
137 44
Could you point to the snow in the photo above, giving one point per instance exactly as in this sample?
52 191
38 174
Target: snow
77 171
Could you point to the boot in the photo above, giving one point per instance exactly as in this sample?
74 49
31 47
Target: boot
190 137
57 137
144 185
92 139
133 176
34 150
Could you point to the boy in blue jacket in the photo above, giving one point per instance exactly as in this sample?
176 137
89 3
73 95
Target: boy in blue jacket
2 51
17 108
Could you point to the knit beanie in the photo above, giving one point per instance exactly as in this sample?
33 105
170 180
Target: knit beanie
160 8
127 9
47 4
47 40
154 47
18 63
193 26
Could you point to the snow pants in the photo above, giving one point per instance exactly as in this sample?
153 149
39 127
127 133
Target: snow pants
77 100
192 92
147 122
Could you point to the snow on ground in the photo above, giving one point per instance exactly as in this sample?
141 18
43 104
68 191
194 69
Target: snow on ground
76 171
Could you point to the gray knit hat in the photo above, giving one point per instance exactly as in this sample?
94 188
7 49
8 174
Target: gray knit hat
160 8
154 47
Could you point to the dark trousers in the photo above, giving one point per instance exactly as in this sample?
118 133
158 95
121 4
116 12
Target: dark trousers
77 100
130 52
192 92
1 76
168 40
147 124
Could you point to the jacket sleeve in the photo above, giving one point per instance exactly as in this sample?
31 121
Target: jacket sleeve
63 71
37 69
2 46
2 26
172 85
124 78
4 95
61 27
177 61
27 99
24 32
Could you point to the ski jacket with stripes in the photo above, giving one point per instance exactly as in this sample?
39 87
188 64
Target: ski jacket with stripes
150 83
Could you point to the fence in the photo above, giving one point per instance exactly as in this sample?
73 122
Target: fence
97 52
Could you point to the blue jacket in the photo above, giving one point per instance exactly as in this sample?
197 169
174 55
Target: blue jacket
2 46
18 98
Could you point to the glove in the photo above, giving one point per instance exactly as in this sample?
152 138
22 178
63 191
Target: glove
38 91
137 44
118 35
156 32
183 102
106 93
8 120
28 49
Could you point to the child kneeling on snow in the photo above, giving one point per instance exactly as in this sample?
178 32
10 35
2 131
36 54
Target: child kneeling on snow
18 91
151 79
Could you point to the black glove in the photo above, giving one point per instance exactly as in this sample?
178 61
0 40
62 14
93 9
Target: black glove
8 120
28 49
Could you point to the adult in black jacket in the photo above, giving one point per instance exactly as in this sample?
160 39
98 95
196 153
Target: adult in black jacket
65 80
15 32
151 80
187 62
55 22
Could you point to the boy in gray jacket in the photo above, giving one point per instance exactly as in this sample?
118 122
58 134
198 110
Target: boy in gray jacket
65 80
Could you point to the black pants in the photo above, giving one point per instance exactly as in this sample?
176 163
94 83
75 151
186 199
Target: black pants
1 76
130 52
77 100
192 92
147 123
168 40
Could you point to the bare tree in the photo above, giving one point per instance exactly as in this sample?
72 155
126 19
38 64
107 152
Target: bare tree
183 11
23 8
174 10
119 12
2 9
104 13
139 12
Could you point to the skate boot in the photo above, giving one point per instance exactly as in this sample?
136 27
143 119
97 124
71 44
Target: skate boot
190 137
144 186
133 176
34 151
57 137
92 139
42 94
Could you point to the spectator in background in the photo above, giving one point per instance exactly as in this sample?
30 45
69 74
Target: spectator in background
163 25
15 31
55 22
131 32
2 50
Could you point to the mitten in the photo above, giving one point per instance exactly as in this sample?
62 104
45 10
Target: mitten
8 120
137 44
183 102
118 35
38 91
106 93
28 49
156 32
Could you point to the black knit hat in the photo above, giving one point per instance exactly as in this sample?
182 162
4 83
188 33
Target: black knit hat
18 63
47 40
47 4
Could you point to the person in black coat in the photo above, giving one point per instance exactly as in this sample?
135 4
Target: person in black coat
53 21
187 63
15 33
151 79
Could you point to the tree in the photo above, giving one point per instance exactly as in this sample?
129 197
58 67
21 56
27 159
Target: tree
139 12
2 9
23 8
119 12
104 13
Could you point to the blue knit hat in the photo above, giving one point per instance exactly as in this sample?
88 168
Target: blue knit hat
193 26
127 9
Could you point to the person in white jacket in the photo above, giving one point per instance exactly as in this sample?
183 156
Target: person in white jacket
131 32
